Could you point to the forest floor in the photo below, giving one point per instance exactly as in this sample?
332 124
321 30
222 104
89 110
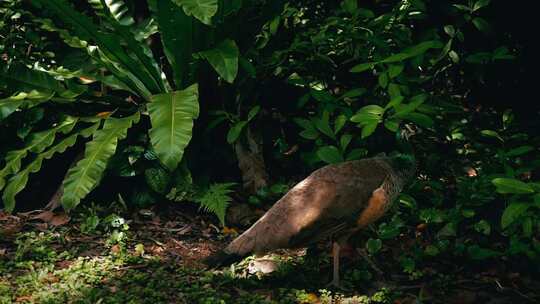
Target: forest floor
148 257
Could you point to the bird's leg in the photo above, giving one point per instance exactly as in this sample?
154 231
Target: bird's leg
335 254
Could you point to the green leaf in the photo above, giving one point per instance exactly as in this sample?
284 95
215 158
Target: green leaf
172 115
368 114
140 70
362 67
519 151
357 92
20 78
356 154
344 141
395 69
176 30
323 125
483 227
200 9
247 66
224 59
86 174
330 154
454 56
481 24
420 119
235 131
392 124
216 199
414 51
480 4
11 104
394 102
450 30
350 6
510 185
512 213
117 9
304 123
383 80
491 133
253 112
415 102
339 123
373 245
36 143
309 134
368 129
18 182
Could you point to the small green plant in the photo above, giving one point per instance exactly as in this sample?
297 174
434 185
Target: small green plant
35 246
216 198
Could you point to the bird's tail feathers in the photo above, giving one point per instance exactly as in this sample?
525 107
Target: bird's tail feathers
221 258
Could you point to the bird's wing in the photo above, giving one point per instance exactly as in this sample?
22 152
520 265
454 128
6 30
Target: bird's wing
341 214
328 201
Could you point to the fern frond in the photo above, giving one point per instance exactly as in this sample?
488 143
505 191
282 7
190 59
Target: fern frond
216 199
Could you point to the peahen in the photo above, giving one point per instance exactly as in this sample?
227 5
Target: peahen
334 201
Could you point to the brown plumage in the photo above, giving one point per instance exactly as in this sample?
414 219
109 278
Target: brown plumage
336 200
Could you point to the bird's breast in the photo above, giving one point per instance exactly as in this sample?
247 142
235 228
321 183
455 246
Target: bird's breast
376 207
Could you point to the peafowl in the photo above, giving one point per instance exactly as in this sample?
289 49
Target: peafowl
334 201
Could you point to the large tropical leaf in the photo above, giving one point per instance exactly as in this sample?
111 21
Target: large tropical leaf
12 103
176 29
172 116
18 182
200 9
109 44
18 77
116 9
36 143
87 173
224 59
121 78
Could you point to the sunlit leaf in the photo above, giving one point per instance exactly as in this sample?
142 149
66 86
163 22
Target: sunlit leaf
172 115
224 59
200 9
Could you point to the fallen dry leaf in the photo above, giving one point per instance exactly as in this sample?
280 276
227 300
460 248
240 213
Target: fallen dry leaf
229 231
115 249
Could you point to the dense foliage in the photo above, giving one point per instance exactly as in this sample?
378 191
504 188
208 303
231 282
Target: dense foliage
112 90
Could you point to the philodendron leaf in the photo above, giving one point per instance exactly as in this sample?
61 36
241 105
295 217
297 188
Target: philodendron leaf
117 9
86 174
200 9
224 59
176 31
172 116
